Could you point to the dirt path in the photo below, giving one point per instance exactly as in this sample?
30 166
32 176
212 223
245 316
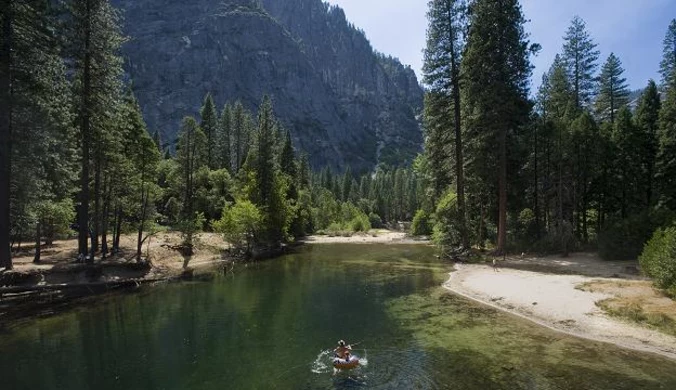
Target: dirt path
556 301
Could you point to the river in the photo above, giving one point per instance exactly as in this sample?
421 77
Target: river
270 326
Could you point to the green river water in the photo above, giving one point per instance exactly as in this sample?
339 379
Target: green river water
269 326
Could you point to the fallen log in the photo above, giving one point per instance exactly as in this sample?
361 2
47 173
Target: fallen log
109 285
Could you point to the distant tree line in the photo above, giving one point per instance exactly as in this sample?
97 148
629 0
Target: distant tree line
579 166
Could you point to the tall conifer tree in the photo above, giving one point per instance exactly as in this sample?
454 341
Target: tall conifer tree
665 175
647 122
613 89
6 13
443 55
668 64
209 126
496 71
94 43
581 59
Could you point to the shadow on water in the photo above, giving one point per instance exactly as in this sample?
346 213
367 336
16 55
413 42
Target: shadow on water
272 326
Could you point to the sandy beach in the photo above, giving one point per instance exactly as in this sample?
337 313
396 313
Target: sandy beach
375 237
558 301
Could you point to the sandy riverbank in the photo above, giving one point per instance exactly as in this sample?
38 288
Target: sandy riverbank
373 237
558 302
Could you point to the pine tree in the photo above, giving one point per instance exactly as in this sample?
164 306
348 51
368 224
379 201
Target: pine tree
38 140
496 70
191 155
157 139
627 140
557 103
225 139
346 185
94 44
585 140
270 187
665 167
580 56
613 89
209 126
437 141
265 158
143 156
647 121
557 106
443 55
6 104
304 171
287 160
239 136
668 64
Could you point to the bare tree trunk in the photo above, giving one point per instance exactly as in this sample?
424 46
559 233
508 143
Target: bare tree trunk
144 207
459 159
6 101
118 229
481 221
96 220
536 184
38 242
105 218
502 197
85 133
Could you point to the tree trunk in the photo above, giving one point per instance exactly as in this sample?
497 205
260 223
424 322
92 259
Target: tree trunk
144 207
562 232
502 197
536 185
96 220
85 130
118 229
5 133
104 220
481 222
38 242
459 159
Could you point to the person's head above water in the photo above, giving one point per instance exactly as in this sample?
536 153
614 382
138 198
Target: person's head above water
341 343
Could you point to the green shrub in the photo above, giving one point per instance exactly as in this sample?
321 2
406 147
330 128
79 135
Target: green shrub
375 220
658 259
421 224
334 229
360 223
445 231
240 224
624 239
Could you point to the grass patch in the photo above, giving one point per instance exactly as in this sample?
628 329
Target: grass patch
634 312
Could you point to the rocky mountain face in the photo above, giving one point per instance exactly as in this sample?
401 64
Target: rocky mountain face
343 103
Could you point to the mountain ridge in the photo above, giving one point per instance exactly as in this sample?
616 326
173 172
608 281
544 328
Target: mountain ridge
344 103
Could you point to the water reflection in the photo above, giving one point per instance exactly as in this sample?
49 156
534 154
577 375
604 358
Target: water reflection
272 325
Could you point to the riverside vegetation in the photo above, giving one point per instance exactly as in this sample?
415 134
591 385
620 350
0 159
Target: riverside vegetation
587 164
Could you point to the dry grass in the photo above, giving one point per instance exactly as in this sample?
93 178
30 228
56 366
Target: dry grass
636 301
208 247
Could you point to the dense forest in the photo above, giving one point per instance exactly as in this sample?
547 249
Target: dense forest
577 166
77 154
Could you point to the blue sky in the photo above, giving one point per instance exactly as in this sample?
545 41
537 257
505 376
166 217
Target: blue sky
632 29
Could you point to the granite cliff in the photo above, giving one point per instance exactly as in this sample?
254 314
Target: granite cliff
344 103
